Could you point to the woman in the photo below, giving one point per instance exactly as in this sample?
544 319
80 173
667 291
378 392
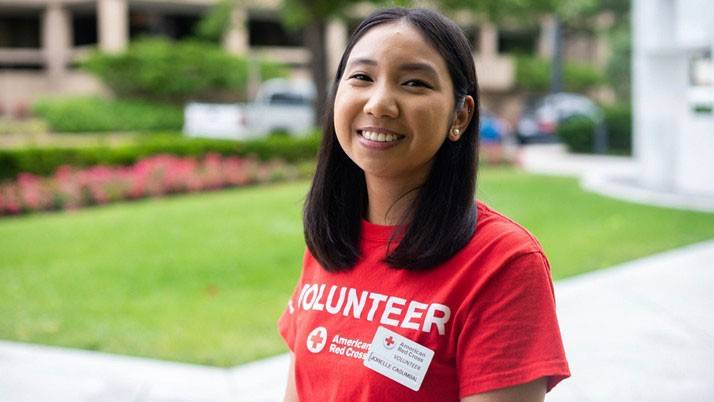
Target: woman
410 290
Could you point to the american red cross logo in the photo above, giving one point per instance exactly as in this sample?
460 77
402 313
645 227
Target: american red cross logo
389 342
316 339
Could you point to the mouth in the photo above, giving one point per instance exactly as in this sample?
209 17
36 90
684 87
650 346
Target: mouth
379 137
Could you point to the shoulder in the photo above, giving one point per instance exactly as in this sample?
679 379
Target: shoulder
501 234
499 247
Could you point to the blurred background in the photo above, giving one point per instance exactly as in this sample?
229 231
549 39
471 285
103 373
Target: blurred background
155 154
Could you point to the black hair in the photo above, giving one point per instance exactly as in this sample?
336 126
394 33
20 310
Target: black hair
442 217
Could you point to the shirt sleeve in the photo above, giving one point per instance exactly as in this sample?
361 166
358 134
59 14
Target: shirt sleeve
287 320
511 334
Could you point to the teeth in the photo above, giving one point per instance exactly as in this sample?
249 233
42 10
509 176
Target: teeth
380 137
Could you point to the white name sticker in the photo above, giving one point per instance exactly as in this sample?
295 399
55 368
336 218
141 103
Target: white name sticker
398 358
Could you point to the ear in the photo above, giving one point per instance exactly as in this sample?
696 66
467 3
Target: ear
462 118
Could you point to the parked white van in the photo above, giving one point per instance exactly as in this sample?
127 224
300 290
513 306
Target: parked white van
281 106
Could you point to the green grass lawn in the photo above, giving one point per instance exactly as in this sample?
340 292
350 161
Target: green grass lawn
202 278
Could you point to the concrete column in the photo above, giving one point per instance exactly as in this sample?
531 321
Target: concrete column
336 42
236 40
488 42
56 40
660 73
113 21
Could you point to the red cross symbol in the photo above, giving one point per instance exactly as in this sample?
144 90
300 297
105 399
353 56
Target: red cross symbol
389 341
316 340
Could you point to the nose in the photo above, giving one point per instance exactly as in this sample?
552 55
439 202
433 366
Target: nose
381 103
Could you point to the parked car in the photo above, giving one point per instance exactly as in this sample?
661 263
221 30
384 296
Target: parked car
281 106
540 119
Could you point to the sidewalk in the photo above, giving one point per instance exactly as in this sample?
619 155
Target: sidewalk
613 176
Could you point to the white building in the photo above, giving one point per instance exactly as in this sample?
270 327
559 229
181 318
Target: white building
673 95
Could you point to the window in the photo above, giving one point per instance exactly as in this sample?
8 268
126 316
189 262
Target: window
20 31
517 41
84 27
267 32
174 26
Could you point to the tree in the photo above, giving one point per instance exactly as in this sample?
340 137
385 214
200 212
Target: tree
516 11
567 14
312 15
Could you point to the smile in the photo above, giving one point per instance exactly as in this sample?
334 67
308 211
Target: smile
379 137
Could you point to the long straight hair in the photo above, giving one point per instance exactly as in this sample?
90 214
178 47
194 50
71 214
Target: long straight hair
442 217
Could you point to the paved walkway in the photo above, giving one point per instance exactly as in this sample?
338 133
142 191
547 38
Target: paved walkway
641 331
613 176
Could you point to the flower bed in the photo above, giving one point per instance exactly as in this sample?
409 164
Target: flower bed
70 188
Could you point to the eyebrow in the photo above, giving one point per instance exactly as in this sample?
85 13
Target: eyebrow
423 67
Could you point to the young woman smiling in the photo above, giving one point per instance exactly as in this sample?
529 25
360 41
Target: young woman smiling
410 290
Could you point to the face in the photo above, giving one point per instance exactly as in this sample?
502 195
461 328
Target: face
394 104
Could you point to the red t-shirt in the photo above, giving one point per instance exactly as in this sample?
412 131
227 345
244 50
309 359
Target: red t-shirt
488 313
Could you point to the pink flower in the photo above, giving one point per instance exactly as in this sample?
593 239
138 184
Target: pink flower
71 188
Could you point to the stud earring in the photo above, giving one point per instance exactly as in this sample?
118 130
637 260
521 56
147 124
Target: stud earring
455 134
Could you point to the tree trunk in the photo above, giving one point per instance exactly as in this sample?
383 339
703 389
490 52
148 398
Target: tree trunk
316 39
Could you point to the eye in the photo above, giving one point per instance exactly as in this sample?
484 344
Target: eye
417 83
360 77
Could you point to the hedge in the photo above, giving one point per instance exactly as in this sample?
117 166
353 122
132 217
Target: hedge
44 161
578 132
174 72
94 114
619 127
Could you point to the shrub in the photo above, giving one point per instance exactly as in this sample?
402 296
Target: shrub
577 134
618 119
94 114
161 70
533 74
581 77
44 161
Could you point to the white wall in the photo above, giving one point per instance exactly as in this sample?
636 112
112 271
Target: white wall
675 147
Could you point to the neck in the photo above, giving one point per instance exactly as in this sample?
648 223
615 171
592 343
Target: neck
389 200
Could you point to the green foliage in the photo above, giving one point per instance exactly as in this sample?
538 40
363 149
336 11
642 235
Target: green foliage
44 161
161 70
216 22
499 10
577 134
94 114
618 119
533 74
581 77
